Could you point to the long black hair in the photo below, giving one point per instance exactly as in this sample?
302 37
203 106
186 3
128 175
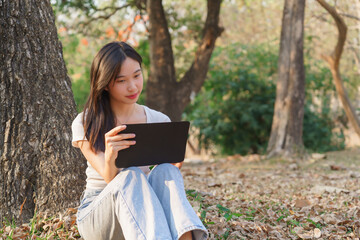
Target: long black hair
98 117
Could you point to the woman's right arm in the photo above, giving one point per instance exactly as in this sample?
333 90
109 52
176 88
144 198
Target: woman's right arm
104 162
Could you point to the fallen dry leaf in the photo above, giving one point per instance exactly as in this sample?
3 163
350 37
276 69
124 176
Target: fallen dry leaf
317 233
300 203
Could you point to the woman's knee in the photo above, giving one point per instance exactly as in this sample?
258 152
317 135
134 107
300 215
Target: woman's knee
127 175
164 168
133 169
165 171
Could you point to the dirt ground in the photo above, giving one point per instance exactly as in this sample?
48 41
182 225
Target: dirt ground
254 198
250 197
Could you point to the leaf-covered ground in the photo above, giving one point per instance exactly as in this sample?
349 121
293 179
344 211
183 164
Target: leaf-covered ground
253 198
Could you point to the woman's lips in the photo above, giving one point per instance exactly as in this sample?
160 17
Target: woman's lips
132 96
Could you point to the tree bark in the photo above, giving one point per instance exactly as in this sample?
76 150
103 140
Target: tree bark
334 63
286 132
164 92
38 166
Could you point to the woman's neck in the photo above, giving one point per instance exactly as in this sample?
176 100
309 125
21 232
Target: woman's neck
123 113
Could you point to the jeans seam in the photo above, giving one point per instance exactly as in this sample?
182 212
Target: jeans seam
92 209
132 215
104 192
85 208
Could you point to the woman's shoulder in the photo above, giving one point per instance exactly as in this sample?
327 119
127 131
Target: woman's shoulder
78 119
155 116
77 128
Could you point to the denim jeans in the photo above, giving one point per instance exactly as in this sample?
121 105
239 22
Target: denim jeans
136 206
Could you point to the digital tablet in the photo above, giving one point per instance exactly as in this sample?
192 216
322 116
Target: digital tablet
156 143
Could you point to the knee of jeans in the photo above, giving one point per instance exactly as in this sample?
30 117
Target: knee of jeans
129 172
164 172
135 171
128 175
164 169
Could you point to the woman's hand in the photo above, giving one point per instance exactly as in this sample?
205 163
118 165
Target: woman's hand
179 164
104 162
114 142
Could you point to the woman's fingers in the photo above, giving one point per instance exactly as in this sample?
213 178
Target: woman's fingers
115 130
121 143
113 149
111 152
122 147
114 142
114 136
122 136
124 139
117 146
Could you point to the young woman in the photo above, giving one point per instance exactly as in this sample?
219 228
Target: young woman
136 202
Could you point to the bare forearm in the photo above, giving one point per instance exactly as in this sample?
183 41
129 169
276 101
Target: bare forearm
97 161
110 171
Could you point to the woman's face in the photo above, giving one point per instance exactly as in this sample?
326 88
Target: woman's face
128 84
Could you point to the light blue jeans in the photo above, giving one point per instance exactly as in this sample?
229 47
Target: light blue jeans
136 206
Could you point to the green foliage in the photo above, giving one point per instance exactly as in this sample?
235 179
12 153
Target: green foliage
318 132
318 127
235 107
78 62
81 90
144 50
87 7
227 214
186 21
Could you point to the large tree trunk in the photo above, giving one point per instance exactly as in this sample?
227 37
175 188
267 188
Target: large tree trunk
164 92
286 132
334 63
38 166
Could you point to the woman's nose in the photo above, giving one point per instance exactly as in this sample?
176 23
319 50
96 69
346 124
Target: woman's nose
131 86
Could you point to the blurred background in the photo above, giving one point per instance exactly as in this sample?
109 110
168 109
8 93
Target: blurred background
233 112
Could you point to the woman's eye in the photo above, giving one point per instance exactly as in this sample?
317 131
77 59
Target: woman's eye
120 80
136 76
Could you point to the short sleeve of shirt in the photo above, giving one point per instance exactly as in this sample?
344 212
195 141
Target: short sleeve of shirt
166 118
154 116
77 128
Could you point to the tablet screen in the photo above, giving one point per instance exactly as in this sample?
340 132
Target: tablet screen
156 143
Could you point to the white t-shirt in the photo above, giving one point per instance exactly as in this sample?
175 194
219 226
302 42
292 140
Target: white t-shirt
94 180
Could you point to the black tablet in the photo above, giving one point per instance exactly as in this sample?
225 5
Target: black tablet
156 143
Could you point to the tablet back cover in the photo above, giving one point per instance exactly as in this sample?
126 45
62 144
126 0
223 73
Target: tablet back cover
156 143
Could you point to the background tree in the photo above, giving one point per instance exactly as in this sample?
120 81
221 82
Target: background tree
164 91
168 87
334 62
250 44
287 125
38 166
